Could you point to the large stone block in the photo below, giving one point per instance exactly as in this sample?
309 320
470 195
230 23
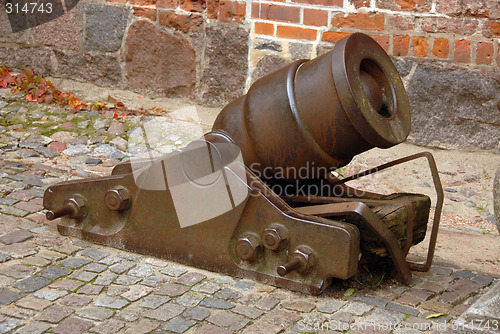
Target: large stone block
159 62
63 32
225 64
6 34
496 198
99 69
267 65
455 106
104 27
35 58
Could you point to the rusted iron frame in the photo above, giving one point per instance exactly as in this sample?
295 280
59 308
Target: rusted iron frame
362 211
439 203
331 200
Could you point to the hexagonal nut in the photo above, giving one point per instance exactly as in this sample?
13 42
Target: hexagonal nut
307 257
79 204
248 247
117 199
275 237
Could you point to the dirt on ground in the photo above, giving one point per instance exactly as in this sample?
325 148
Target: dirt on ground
468 237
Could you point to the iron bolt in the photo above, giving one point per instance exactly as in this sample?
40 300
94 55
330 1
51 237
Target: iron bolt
275 237
301 260
248 247
117 199
74 208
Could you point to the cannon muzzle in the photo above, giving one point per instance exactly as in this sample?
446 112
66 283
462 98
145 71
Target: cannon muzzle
318 114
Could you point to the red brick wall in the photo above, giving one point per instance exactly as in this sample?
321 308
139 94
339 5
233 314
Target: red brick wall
462 31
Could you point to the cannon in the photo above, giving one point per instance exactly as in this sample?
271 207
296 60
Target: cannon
256 196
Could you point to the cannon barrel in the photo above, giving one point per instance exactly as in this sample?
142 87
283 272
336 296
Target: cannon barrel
319 114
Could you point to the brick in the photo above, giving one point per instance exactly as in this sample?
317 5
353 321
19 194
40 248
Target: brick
262 28
401 45
462 51
491 29
441 48
167 4
149 13
461 26
360 21
382 40
333 36
449 7
296 33
405 5
329 3
142 2
477 8
360 3
280 13
315 17
231 11
193 5
484 53
420 46
255 10
399 23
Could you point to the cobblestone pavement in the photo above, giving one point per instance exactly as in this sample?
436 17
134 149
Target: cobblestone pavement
51 283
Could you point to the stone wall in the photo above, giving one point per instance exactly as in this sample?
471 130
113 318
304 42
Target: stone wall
212 50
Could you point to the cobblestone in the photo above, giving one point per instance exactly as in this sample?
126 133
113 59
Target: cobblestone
191 278
110 302
227 320
73 325
55 272
189 299
178 325
34 327
110 326
54 313
165 312
31 284
8 296
197 313
216 303
153 302
94 313
52 283
50 294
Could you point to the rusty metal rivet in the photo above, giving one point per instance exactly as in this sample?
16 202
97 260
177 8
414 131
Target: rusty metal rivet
301 260
248 247
275 237
117 199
